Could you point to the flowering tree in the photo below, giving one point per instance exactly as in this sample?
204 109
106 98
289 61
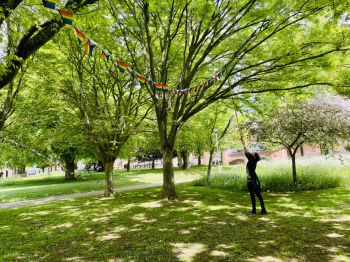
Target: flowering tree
324 119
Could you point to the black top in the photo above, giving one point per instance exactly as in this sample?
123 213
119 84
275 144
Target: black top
251 165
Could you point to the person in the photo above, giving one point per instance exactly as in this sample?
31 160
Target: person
253 182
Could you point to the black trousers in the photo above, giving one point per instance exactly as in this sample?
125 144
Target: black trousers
256 192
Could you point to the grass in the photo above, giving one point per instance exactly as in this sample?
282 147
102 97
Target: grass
44 186
277 176
204 225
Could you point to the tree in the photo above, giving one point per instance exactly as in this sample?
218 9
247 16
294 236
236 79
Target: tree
258 46
33 36
198 134
8 96
149 155
108 106
324 119
148 148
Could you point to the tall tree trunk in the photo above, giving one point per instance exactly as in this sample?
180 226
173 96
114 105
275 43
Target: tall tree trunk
185 157
68 156
211 154
128 164
109 186
153 164
168 173
199 160
69 168
294 169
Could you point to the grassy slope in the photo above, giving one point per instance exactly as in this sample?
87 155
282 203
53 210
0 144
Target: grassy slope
43 186
205 225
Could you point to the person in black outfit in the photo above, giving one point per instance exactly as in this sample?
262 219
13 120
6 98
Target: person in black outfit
254 187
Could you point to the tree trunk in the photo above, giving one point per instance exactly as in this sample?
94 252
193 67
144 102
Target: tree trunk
199 160
294 169
128 165
21 169
168 173
179 160
109 186
211 153
301 150
185 158
69 168
153 164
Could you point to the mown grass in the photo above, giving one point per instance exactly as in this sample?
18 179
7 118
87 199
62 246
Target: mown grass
204 225
44 186
277 176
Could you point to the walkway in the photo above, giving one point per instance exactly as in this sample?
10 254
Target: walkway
78 195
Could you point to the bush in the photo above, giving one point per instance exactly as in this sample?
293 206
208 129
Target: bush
279 178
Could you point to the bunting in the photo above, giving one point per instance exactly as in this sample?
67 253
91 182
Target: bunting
142 80
67 16
132 73
122 66
50 4
81 37
161 87
89 47
105 56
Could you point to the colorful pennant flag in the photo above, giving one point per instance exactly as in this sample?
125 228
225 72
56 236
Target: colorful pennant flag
50 4
122 66
81 37
105 56
67 16
161 87
89 47
132 73
141 79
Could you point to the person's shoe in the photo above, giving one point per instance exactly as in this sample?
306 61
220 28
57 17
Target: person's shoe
251 212
263 212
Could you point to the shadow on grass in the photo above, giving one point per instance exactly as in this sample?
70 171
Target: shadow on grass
204 225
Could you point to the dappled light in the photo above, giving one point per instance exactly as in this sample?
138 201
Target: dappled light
203 225
186 251
143 131
153 204
270 259
62 226
218 253
334 235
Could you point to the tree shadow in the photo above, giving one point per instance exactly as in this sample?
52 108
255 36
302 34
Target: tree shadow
203 225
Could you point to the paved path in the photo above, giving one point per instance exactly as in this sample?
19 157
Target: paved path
72 196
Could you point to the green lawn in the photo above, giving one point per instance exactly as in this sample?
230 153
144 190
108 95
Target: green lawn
204 225
43 186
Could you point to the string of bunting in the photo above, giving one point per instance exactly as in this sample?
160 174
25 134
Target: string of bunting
90 50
